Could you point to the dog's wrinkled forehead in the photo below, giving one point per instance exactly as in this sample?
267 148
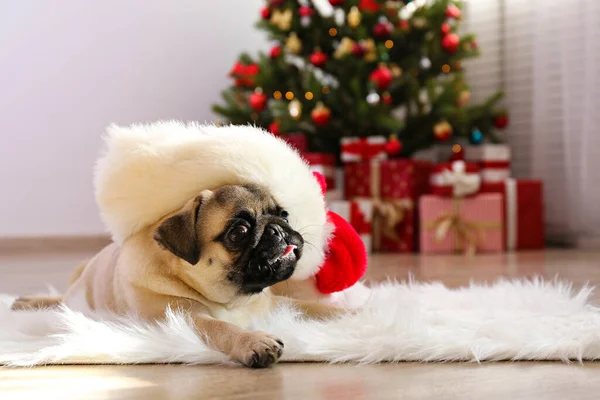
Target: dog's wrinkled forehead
253 198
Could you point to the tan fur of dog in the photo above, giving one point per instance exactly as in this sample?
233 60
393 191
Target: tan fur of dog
149 273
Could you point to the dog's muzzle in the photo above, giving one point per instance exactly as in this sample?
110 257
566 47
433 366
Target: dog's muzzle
274 258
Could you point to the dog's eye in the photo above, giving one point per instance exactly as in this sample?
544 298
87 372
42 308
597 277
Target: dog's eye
238 233
284 214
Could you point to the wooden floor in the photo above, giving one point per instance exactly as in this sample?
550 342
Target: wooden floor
19 274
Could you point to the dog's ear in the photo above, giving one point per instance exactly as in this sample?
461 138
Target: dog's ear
178 233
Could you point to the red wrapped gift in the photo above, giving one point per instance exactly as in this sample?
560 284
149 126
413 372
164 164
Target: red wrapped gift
323 163
523 210
355 149
469 225
493 160
394 186
455 179
297 141
359 213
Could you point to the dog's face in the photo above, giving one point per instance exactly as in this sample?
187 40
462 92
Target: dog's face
235 241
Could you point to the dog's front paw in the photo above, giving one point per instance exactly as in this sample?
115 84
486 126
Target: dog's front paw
257 349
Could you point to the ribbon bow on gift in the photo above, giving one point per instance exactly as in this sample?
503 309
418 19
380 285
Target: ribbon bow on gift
468 233
463 184
389 214
363 148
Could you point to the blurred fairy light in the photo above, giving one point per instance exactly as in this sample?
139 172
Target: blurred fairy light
445 68
308 96
389 44
277 95
289 95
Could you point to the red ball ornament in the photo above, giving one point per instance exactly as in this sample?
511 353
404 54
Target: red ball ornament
306 11
274 128
450 42
404 25
275 51
445 28
453 12
386 98
393 146
382 77
383 29
358 50
320 115
258 101
336 3
265 13
371 6
442 131
501 121
318 58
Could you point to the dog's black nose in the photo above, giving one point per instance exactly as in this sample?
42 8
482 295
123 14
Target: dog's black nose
274 230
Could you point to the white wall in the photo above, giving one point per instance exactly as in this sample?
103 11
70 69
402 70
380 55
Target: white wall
68 68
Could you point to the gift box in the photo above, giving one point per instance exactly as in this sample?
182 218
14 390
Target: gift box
323 163
469 225
355 149
394 187
455 179
493 161
523 207
359 214
297 141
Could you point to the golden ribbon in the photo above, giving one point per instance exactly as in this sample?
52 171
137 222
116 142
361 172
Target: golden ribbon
468 233
387 215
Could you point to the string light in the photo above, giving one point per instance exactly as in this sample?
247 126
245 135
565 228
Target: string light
308 96
325 90
332 32
277 95
289 95
389 44
445 68
456 148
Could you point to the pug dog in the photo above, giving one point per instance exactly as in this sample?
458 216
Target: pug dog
215 259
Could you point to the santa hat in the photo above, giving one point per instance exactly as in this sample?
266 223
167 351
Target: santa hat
149 171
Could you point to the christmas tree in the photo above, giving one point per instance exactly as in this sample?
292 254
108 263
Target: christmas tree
362 68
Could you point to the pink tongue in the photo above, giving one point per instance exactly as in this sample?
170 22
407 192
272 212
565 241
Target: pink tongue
288 250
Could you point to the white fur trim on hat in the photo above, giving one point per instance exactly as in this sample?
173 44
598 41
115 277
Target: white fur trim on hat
149 171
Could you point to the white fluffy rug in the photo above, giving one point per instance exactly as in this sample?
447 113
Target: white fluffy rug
523 320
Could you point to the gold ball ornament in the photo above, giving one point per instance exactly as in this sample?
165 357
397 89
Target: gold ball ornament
396 70
295 109
419 22
442 130
354 17
463 98
344 48
293 44
370 50
282 19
